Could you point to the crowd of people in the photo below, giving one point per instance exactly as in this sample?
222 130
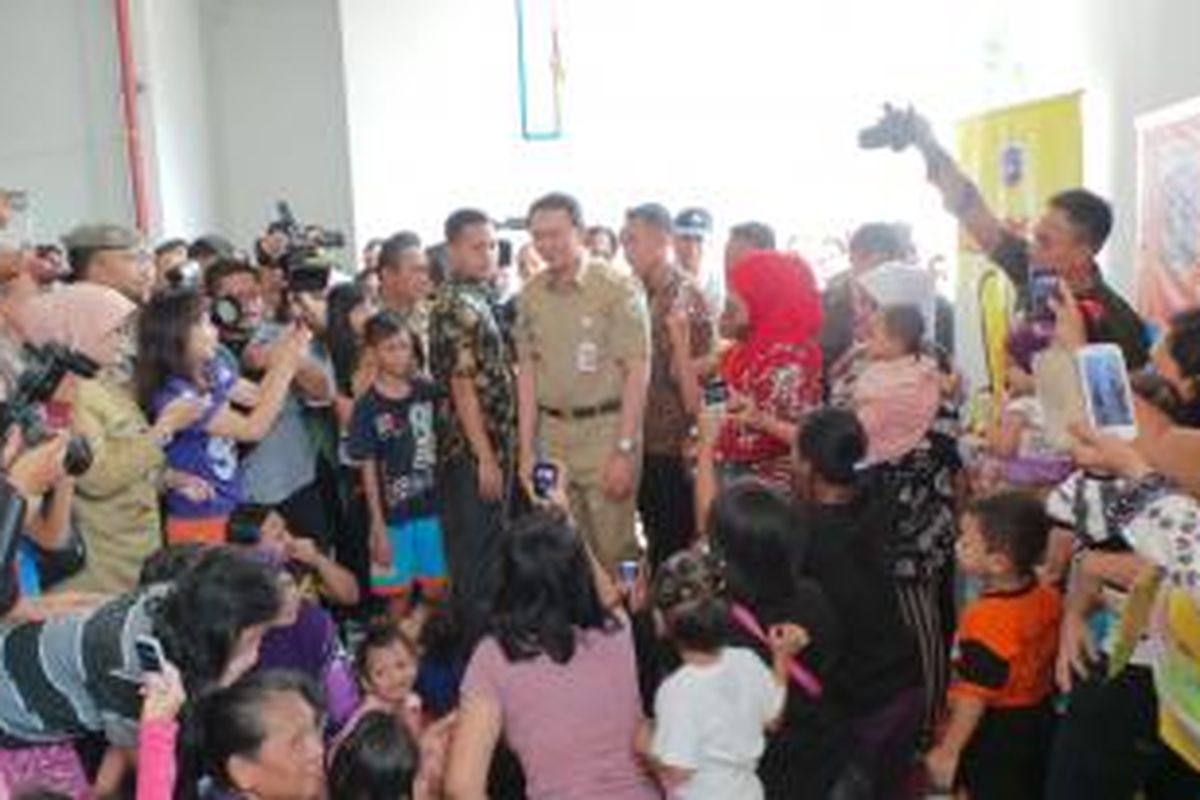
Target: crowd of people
595 523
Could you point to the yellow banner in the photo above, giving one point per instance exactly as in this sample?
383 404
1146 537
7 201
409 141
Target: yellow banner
1018 157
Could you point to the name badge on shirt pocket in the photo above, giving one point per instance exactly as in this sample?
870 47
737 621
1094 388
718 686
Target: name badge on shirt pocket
587 357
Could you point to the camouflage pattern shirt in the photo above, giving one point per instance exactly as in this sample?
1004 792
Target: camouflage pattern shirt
467 340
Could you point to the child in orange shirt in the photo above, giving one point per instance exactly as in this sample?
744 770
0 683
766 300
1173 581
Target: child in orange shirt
997 739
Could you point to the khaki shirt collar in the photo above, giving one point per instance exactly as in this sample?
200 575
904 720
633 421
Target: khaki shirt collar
583 265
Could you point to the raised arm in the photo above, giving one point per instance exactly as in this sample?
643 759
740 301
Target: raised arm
272 394
960 196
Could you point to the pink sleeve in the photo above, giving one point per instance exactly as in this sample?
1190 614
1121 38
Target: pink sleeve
156 760
482 677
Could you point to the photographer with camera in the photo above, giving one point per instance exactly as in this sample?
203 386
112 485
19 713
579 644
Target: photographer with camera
1066 239
39 543
116 501
281 469
285 468
270 253
38 410
235 294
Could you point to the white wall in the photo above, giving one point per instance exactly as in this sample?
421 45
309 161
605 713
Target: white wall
60 125
172 69
749 109
381 114
277 112
429 90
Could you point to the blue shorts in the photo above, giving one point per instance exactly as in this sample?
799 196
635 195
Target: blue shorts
418 558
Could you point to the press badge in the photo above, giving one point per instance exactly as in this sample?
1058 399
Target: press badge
587 357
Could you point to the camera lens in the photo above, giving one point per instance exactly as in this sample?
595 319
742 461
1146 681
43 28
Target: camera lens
78 458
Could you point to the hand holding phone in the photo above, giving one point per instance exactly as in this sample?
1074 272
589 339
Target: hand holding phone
627 575
163 694
716 397
1106 390
545 478
149 654
1043 295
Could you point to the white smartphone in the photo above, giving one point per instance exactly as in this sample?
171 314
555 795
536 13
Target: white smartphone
1106 391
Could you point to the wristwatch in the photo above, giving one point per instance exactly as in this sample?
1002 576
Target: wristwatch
626 445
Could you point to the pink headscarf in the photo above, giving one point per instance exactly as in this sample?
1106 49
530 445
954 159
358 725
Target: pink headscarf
78 315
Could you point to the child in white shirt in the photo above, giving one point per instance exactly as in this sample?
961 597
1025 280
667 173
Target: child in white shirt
712 713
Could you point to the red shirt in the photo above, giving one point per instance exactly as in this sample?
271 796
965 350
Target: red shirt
782 382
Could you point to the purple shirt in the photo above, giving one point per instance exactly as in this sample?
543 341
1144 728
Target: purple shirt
310 645
573 724
197 452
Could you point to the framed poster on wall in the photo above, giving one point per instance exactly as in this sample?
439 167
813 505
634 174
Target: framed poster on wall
1168 227
540 71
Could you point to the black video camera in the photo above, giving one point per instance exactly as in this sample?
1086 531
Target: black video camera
894 129
46 366
306 236
304 260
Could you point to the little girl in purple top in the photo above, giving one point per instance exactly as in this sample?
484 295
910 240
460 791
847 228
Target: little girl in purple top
179 356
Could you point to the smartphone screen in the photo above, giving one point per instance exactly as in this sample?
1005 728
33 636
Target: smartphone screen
627 574
716 394
545 475
1042 287
1106 389
149 654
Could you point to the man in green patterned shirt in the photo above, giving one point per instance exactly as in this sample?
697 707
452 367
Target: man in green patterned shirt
470 355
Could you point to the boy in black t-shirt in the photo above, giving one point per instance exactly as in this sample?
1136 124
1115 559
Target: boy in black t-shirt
392 439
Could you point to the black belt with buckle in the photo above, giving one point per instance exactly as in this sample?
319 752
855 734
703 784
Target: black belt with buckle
583 412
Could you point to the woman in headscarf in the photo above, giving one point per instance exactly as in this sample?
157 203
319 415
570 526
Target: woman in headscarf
773 312
116 500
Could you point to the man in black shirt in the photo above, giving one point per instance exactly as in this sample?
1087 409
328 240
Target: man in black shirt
1066 240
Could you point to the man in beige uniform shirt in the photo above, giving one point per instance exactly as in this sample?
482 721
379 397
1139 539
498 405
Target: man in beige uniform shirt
583 351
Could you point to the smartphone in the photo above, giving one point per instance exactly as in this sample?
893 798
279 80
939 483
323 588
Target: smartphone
716 395
1060 391
627 574
245 524
149 654
545 476
306 279
1106 391
1042 287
